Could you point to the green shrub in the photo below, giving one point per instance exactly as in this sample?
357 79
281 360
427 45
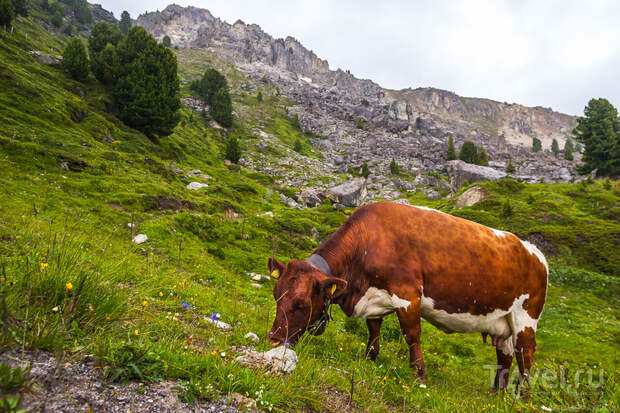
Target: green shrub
536 144
451 155
6 13
365 171
506 209
468 152
233 150
394 168
298 146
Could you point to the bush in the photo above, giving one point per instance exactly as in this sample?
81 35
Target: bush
482 158
360 123
82 11
19 7
298 146
510 168
259 96
536 144
555 148
57 19
77 110
166 41
75 59
506 209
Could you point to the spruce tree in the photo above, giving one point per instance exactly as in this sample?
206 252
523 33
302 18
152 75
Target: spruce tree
536 144
365 171
451 151
599 131
259 96
146 88
166 41
568 153
555 148
82 11
75 59
57 19
102 34
468 152
233 150
103 38
6 13
482 158
221 108
394 168
19 7
125 23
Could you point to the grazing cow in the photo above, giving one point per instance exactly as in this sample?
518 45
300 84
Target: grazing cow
420 263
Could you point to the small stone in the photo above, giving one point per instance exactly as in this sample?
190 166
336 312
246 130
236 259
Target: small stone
251 336
139 239
196 185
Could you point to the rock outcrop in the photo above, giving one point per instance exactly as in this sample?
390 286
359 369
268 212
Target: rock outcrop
460 172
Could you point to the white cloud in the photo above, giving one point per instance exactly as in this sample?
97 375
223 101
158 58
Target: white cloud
554 53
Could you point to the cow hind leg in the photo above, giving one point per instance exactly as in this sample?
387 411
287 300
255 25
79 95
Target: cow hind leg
409 320
524 351
504 360
374 330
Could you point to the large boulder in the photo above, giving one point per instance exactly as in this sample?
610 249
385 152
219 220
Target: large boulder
350 193
471 197
460 171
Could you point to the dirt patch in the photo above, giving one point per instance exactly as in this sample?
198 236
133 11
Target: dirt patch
163 203
542 243
58 386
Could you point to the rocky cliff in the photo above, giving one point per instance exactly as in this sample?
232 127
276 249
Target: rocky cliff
410 125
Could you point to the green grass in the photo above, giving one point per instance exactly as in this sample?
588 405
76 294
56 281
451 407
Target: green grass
125 306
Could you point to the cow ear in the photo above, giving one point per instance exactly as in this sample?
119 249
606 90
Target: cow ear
334 286
276 268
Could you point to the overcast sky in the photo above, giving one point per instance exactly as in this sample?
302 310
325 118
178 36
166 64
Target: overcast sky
556 54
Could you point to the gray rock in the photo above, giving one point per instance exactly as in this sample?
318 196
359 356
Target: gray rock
433 195
460 171
350 193
196 185
44 58
471 197
139 239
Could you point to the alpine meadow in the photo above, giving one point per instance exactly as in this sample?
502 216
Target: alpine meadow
161 174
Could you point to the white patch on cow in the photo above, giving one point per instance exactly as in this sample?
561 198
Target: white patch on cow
500 323
428 209
498 233
531 248
377 303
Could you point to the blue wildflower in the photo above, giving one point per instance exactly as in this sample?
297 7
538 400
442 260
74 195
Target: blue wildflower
185 304
287 344
215 316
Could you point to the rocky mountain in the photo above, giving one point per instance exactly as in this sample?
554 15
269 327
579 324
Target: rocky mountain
359 121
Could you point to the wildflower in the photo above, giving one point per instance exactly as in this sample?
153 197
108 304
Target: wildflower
213 352
340 348
145 303
55 309
422 385
363 344
136 332
223 354
161 294
67 364
43 265
68 287
215 316
185 304
287 344
545 408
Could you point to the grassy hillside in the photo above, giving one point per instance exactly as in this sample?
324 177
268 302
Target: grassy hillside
73 178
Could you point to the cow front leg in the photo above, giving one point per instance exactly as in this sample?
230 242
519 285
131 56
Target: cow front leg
409 320
504 361
374 330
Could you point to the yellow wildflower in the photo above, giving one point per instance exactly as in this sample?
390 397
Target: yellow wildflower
136 332
161 294
43 265
145 303
69 288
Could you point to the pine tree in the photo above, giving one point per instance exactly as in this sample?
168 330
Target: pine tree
57 19
107 66
451 151
482 157
19 7
125 23
555 148
75 59
233 150
259 96
102 34
578 148
6 13
468 152
209 84
103 38
146 88
510 168
82 11
394 168
568 153
166 41
536 144
365 171
599 131
221 108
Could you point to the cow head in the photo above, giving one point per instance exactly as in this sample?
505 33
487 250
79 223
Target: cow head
300 295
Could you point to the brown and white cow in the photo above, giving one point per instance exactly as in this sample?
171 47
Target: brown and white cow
420 263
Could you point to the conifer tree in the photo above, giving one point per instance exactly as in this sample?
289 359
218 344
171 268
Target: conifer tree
221 107
555 148
233 150
451 151
482 158
6 13
536 144
19 7
75 59
394 168
365 171
125 23
468 152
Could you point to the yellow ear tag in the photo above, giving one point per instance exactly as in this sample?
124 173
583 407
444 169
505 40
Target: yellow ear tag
333 289
275 273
